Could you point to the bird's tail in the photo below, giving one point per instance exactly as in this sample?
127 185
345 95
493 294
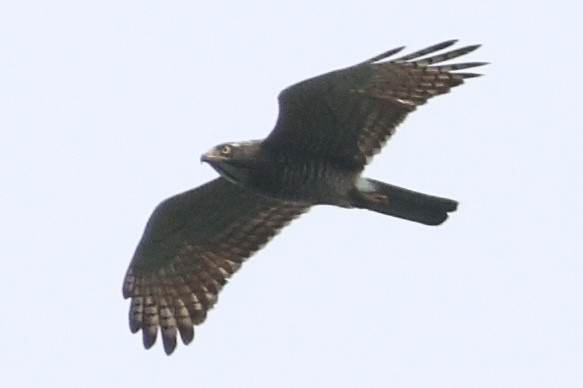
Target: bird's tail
399 202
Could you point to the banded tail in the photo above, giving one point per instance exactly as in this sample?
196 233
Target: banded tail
403 203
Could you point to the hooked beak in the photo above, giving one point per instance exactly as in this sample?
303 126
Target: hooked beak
211 156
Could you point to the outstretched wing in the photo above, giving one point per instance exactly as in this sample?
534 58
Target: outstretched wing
192 243
347 115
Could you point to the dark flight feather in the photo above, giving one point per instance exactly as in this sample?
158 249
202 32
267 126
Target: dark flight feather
192 244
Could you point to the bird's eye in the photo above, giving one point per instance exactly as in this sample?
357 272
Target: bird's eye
226 150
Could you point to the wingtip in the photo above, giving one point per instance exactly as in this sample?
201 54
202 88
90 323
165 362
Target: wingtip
448 43
470 48
384 55
169 343
187 334
148 338
134 325
464 76
416 55
442 45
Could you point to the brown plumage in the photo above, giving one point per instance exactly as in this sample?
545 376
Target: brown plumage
192 243
328 129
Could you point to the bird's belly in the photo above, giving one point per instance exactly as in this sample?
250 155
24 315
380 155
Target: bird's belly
314 183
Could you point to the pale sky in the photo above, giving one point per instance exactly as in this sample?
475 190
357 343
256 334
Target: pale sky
105 108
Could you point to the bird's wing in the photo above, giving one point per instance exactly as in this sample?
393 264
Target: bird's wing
347 115
192 243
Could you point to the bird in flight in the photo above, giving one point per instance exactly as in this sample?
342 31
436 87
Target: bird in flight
329 128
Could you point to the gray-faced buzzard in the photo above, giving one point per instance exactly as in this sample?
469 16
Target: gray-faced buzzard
329 128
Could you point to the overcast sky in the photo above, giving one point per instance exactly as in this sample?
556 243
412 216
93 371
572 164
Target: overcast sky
105 108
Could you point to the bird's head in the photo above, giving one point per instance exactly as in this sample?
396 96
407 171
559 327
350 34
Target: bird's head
233 161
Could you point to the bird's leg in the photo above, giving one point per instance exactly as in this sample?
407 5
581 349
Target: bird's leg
376 198
367 192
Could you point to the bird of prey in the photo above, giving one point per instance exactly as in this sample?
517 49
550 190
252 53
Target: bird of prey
329 127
